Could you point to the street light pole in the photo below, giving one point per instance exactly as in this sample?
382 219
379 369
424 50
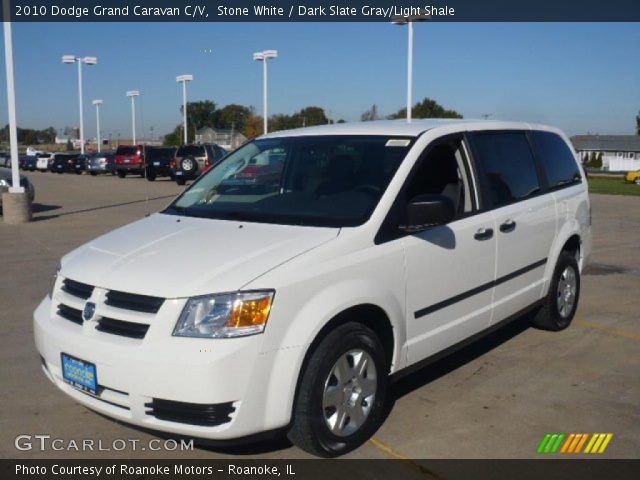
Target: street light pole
11 102
263 57
97 103
80 61
133 94
184 79
410 71
409 20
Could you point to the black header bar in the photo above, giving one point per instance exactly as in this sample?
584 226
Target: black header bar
323 11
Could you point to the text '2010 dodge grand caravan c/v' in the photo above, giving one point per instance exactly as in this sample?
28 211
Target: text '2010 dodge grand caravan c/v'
286 298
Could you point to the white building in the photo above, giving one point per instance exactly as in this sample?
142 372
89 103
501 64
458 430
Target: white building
620 153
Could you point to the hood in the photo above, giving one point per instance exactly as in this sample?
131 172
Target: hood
172 256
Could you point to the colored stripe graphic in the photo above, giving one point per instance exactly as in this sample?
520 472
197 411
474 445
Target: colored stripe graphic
573 443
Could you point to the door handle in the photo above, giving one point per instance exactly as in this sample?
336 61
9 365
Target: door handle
508 226
484 234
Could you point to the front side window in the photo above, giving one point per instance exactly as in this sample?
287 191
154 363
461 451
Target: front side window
508 166
556 158
308 180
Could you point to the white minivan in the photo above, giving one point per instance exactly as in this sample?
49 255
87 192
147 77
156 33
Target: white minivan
288 285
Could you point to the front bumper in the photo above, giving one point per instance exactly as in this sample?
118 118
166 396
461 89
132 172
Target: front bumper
133 373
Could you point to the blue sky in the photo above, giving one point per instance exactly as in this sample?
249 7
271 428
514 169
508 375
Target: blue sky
580 77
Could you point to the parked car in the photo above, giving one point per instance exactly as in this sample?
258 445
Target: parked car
28 162
157 162
104 162
129 159
191 160
67 163
5 160
5 183
380 247
633 177
44 161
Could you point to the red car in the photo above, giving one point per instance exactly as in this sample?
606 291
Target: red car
130 159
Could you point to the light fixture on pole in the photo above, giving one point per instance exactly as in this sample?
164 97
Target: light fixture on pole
263 57
97 103
409 20
80 61
133 94
184 79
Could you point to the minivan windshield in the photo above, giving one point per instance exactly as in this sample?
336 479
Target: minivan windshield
333 181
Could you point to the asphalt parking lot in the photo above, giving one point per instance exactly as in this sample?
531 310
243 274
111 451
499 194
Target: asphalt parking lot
495 399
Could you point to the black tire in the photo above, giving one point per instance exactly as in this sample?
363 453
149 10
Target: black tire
548 317
151 177
181 180
143 173
93 174
189 165
309 430
122 173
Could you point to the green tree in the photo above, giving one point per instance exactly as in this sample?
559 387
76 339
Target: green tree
370 115
199 114
427 108
174 138
310 116
232 116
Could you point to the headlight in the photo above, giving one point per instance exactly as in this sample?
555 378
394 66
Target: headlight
225 315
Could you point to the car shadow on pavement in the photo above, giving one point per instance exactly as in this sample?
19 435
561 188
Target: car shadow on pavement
431 371
39 207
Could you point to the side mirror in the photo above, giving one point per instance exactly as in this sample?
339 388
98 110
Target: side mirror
427 210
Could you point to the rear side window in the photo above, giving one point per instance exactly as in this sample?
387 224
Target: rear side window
191 150
127 151
508 165
557 159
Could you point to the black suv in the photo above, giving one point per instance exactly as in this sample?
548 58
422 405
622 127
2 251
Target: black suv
191 160
68 162
158 162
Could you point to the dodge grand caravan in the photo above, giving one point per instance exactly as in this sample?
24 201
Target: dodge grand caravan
375 247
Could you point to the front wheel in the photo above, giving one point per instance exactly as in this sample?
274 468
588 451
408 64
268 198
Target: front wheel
341 396
560 304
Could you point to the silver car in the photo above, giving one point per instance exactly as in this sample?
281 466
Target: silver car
5 183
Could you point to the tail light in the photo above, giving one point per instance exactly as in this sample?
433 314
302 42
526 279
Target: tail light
207 163
173 163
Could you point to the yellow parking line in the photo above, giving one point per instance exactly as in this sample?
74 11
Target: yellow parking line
380 445
611 331
387 449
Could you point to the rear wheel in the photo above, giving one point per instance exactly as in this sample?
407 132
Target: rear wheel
341 394
561 302
180 180
151 176
122 173
93 174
